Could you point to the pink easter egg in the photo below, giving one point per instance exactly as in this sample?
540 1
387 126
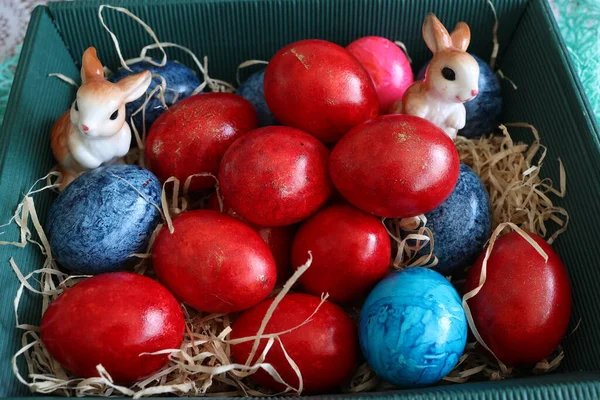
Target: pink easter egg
387 65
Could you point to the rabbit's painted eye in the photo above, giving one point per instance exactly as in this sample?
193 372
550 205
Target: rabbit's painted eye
448 74
114 115
75 106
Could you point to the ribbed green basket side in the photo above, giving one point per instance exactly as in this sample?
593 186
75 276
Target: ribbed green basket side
230 32
35 102
560 387
551 98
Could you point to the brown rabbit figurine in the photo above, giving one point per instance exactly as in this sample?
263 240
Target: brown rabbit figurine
451 79
94 132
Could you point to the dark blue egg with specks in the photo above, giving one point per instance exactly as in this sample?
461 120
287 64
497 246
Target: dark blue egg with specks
484 110
412 328
103 217
460 225
253 90
181 82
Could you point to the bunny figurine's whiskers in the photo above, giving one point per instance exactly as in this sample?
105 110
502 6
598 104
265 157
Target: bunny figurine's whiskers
94 132
451 79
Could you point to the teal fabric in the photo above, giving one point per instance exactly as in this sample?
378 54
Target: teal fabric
578 22
7 73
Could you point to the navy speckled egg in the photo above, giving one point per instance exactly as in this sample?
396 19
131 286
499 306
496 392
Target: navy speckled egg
252 89
412 328
181 82
460 225
483 112
104 216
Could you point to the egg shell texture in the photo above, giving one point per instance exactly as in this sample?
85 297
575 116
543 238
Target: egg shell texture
193 135
387 66
522 311
103 217
413 329
324 349
275 176
111 319
319 87
461 225
395 166
213 262
351 253
252 89
278 238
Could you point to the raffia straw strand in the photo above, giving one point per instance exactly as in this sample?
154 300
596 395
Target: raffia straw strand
64 78
482 278
494 36
501 75
116 41
404 49
247 64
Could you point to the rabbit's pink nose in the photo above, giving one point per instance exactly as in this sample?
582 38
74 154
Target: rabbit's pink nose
85 128
474 92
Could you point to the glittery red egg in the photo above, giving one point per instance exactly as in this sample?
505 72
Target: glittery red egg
278 238
395 166
522 312
351 253
111 319
213 262
192 136
324 349
319 87
275 176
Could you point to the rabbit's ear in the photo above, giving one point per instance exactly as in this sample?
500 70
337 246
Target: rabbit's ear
91 67
135 85
461 36
435 35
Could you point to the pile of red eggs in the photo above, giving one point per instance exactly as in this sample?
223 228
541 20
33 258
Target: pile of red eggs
335 165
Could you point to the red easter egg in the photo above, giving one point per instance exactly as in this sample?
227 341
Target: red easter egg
275 176
395 166
522 311
214 262
387 65
324 349
192 136
319 87
351 253
278 238
111 319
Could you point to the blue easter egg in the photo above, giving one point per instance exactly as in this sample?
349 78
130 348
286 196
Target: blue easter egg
460 225
253 90
412 328
484 110
181 82
104 216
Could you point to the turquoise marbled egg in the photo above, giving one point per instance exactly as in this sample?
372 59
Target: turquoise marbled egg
413 329
103 217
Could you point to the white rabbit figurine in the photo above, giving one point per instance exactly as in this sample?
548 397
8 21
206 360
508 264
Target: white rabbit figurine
451 79
94 132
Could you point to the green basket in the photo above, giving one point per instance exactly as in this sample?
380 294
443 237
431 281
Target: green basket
231 31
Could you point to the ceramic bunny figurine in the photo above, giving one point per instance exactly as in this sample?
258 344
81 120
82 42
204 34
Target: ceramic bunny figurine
451 79
94 132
